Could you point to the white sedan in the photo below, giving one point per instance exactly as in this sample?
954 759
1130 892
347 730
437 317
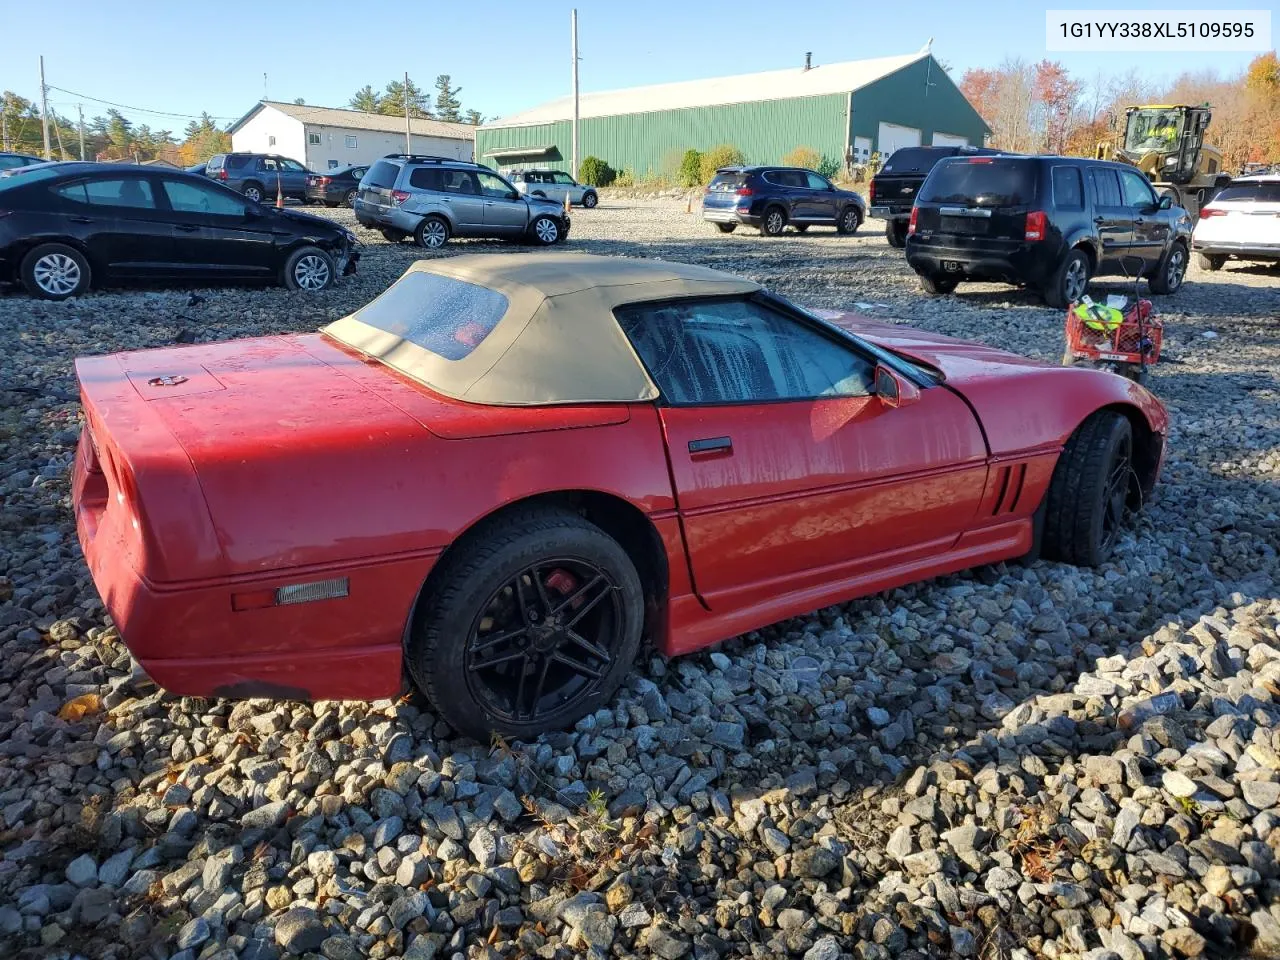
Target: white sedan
1242 221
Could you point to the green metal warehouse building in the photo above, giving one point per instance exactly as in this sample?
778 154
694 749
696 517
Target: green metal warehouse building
845 111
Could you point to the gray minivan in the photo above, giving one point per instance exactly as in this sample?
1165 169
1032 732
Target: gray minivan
434 198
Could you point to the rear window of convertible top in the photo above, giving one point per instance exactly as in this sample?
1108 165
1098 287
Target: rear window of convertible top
448 317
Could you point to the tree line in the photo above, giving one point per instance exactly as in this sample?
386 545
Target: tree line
109 137
1041 107
391 101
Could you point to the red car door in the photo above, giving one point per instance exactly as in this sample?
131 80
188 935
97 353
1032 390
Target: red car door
787 471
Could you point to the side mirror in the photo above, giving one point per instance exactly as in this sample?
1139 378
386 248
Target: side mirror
1166 202
513 195
893 389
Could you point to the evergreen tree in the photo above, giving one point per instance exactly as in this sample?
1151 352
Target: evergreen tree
447 103
393 100
473 117
366 99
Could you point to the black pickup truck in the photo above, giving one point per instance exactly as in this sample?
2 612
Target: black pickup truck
893 189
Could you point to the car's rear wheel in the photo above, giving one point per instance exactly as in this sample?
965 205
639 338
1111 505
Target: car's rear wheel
544 230
1089 495
799 227
350 198
432 233
308 268
1211 261
533 623
1171 270
726 227
895 231
392 236
1069 281
932 283
774 222
55 271
589 199
850 220
253 191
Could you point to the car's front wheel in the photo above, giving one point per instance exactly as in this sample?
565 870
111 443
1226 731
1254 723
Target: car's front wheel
432 233
308 268
850 220
531 624
932 283
589 199
545 230
55 271
1069 281
1089 495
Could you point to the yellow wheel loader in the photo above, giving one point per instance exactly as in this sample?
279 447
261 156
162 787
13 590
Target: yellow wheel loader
1166 142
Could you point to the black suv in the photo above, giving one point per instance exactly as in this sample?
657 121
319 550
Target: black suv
770 198
893 190
1049 223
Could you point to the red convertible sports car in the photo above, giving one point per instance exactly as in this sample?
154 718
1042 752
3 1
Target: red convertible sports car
507 470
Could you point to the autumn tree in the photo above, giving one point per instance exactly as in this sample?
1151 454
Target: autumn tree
1057 95
203 138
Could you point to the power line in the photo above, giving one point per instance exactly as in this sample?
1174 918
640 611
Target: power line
123 106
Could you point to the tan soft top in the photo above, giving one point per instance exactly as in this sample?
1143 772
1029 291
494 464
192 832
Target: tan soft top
557 342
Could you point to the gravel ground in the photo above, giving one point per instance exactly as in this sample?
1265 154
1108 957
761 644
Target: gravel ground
1013 762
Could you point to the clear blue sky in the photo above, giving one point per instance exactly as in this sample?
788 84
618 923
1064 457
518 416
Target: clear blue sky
186 57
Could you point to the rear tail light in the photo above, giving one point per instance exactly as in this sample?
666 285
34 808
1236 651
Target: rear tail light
978 160
222 174
399 196
911 224
871 191
324 181
1212 212
744 191
1036 223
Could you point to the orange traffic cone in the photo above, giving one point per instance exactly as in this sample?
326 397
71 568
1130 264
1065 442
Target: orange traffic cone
567 204
279 193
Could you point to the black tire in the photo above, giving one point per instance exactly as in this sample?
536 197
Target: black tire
936 285
545 230
350 198
1211 261
55 271
392 236
432 233
253 191
331 203
589 199
1070 280
308 268
849 221
1090 491
800 227
726 227
773 222
895 231
482 578
1171 270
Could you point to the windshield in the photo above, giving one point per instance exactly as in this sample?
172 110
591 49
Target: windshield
1153 130
981 182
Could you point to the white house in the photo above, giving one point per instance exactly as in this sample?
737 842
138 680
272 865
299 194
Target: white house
323 138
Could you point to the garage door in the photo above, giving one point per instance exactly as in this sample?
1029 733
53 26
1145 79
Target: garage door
949 140
891 137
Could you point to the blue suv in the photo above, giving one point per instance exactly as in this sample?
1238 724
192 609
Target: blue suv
770 198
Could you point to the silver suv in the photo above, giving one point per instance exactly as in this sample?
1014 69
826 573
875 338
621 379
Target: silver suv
554 185
434 198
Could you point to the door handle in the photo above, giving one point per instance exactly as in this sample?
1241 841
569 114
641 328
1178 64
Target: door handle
711 445
187 227
1139 222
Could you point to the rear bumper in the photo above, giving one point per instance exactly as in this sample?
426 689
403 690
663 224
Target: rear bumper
886 212
192 641
1021 265
320 193
1259 251
729 215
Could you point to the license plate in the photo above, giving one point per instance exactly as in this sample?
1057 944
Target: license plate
1122 357
952 266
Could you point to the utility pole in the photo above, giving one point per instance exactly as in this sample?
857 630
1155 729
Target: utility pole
408 139
573 24
80 110
264 86
44 112
4 129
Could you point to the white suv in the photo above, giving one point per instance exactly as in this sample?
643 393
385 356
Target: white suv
554 185
1242 221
